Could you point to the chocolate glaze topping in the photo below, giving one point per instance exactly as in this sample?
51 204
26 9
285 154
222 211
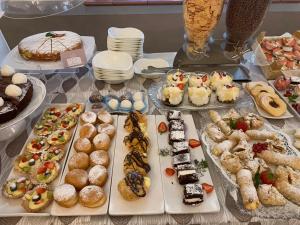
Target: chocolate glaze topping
137 158
135 181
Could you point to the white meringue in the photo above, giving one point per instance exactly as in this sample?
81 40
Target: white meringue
139 105
13 90
126 104
19 78
7 71
1 102
113 104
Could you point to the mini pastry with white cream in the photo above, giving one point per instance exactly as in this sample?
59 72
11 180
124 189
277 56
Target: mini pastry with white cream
199 95
227 93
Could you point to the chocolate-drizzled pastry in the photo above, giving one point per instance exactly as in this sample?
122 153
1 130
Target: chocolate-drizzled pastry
136 140
134 186
135 121
136 161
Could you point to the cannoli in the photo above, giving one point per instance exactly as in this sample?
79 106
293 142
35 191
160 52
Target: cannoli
231 162
215 133
214 116
276 158
261 134
243 150
238 135
248 191
269 195
225 128
284 186
224 146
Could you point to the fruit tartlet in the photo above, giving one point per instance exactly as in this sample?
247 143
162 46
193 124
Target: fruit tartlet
59 137
199 95
37 199
26 163
52 114
177 77
74 109
46 173
44 128
37 145
66 122
227 93
17 187
172 94
54 153
199 79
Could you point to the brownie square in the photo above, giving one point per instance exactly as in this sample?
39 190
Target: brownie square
176 135
187 174
193 194
176 125
181 159
180 147
173 115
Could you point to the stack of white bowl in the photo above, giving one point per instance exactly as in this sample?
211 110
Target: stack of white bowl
130 40
113 67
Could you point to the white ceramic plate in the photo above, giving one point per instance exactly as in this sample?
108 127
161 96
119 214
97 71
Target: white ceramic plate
143 63
78 209
173 191
125 33
12 207
153 202
112 60
38 96
16 61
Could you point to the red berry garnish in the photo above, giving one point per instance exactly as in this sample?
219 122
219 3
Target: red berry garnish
170 171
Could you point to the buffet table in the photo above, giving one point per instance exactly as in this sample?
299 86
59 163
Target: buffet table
77 87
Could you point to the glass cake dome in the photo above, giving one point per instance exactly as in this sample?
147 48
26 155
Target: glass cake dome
28 9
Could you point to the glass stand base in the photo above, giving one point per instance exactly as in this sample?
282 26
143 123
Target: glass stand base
13 131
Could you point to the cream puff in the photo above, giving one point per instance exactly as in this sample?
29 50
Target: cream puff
105 117
74 109
16 187
136 140
54 153
88 117
46 173
101 142
83 145
99 157
220 78
37 145
37 199
27 163
78 178
88 130
227 93
98 175
59 137
136 161
134 186
79 160
92 196
107 128
65 195
66 122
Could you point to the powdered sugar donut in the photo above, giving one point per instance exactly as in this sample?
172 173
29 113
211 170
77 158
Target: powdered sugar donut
99 158
101 141
105 117
92 196
65 195
88 117
107 128
88 130
98 175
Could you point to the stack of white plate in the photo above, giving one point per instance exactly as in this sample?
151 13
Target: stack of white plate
130 40
113 67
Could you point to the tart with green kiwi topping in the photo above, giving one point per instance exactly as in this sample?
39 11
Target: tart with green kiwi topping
74 109
59 137
16 187
54 153
37 145
26 163
66 122
37 199
44 128
46 172
52 114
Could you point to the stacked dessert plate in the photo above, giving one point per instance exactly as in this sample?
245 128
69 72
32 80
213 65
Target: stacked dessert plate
113 67
130 40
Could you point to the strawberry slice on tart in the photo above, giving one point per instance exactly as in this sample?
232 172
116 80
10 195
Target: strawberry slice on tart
46 172
37 145
59 137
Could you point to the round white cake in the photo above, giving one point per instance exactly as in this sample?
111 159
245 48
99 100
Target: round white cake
48 46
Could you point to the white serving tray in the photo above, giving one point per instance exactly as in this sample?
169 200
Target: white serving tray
19 63
173 191
153 203
78 209
12 207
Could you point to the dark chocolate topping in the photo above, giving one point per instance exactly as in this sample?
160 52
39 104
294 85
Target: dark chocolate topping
135 181
137 158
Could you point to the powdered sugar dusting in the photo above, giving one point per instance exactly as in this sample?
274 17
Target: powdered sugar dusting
91 193
96 172
64 192
99 157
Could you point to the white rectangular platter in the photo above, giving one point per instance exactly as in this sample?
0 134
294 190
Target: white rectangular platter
12 207
78 209
153 202
173 191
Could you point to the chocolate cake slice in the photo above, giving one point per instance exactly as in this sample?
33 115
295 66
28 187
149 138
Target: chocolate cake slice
180 147
193 194
181 159
176 136
173 115
7 112
176 125
187 174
